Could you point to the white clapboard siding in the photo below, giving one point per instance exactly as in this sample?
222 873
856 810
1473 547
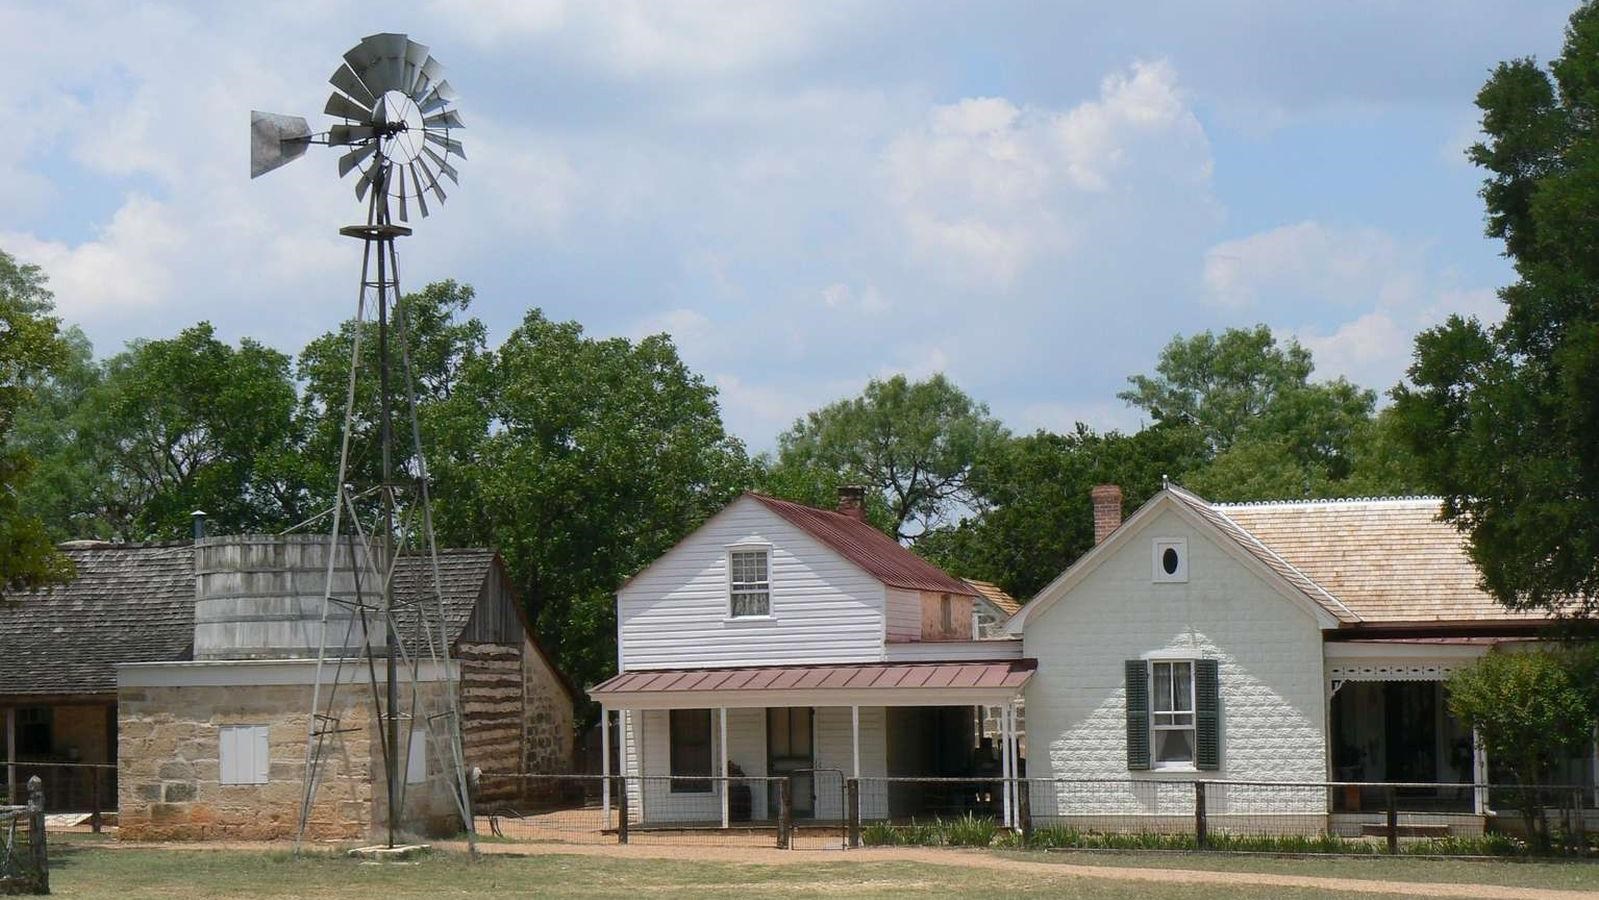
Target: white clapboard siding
824 609
835 750
904 615
927 651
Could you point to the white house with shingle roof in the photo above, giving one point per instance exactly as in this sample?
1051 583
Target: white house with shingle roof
1284 641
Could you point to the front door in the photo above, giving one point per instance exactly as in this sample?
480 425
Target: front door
791 751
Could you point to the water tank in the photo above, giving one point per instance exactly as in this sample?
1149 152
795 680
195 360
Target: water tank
259 596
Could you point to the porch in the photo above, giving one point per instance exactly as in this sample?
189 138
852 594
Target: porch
715 747
69 741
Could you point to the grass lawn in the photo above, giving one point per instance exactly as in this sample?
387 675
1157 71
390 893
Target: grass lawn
1568 876
82 869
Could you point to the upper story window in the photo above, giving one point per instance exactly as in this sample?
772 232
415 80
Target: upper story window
750 582
1171 560
946 614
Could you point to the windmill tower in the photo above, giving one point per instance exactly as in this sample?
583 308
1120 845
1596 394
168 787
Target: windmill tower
396 129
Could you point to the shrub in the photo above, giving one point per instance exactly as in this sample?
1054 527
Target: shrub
969 831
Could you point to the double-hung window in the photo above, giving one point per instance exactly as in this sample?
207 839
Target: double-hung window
749 582
1171 712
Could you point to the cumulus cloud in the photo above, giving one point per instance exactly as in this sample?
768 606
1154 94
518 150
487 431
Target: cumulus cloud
986 187
124 269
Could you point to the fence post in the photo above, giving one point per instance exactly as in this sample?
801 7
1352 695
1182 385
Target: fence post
41 858
1024 809
852 803
1580 826
785 813
1393 821
621 808
94 800
1201 823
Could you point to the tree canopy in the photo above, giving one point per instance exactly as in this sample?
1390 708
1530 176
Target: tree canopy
1504 419
915 444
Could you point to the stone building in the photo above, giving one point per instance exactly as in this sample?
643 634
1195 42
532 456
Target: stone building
209 731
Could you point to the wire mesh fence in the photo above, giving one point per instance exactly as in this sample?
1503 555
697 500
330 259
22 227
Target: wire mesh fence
823 809
24 862
69 787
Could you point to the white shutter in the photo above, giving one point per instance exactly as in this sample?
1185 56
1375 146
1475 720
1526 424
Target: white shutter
416 760
243 754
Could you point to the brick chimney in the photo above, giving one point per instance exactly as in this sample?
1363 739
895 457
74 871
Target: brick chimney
852 501
1107 510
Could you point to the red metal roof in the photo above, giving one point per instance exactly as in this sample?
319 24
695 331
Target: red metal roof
1010 673
880 555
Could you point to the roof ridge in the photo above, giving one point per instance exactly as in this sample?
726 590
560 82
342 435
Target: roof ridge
1393 499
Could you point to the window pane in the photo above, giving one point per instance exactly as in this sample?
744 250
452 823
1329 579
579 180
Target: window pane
1162 679
1174 746
1183 685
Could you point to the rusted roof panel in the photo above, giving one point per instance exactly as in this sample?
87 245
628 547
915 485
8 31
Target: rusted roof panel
879 555
1001 674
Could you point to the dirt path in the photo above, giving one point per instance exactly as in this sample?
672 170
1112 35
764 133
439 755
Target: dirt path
981 860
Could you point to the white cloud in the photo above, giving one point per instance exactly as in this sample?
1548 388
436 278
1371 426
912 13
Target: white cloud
985 188
1355 297
842 297
125 269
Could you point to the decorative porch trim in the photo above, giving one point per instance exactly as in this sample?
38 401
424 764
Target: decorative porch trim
1392 670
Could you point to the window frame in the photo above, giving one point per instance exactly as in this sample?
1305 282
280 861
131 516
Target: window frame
693 782
261 737
1192 712
1158 573
733 589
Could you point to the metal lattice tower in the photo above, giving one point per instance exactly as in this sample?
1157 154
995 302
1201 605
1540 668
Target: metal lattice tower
397 126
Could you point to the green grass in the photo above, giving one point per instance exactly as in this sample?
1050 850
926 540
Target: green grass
83 869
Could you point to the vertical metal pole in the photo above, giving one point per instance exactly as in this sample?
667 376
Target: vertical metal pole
1015 762
386 439
1393 821
94 799
1201 826
605 763
11 755
725 782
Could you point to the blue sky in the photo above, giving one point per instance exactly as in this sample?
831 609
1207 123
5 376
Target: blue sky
1030 197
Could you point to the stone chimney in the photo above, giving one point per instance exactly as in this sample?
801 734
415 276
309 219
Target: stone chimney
1107 510
852 501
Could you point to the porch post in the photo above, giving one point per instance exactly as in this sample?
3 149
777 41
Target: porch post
11 755
1004 762
855 738
605 763
723 773
1015 764
1479 774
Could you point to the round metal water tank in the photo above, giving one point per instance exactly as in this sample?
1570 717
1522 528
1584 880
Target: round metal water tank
260 597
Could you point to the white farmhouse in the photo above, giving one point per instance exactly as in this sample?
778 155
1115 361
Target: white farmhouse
782 639
1269 642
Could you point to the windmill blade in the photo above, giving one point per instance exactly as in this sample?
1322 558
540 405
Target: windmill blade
449 144
339 135
433 181
421 192
444 167
347 81
441 94
399 176
431 70
447 119
355 157
345 108
365 181
415 55
276 140
382 62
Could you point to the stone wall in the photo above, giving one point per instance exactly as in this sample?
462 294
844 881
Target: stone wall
550 735
491 709
170 778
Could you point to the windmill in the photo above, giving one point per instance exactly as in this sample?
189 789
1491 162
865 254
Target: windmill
396 130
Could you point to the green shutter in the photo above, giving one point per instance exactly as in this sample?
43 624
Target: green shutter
1207 715
1137 714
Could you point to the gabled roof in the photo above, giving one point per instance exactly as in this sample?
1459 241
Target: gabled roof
879 555
135 603
995 595
1390 560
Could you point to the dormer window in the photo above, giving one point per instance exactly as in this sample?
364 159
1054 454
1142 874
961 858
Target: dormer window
749 582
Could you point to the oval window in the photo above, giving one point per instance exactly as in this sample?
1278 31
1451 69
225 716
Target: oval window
1168 560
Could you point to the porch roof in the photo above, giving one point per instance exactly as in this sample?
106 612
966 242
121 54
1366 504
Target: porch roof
943 683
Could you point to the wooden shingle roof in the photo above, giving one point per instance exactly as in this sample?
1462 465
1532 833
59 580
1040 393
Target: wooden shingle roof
135 603
1389 560
995 595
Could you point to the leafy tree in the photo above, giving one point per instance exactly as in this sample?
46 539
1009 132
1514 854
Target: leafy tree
1505 418
30 348
914 443
190 423
581 460
1034 490
1532 710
